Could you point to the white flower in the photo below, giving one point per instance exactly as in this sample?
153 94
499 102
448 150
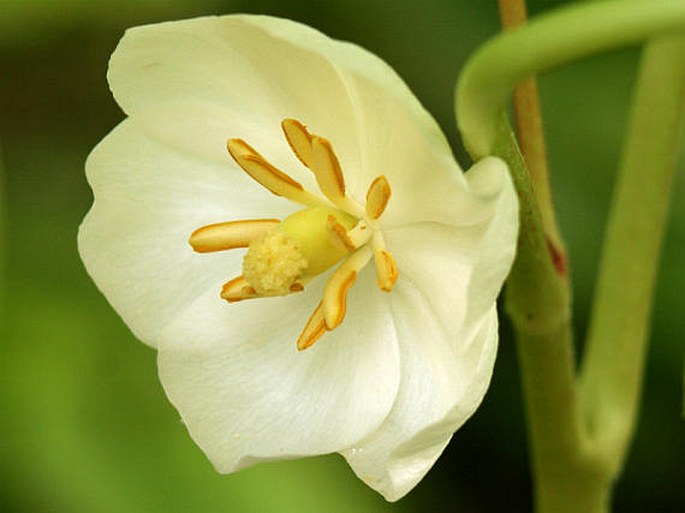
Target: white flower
397 370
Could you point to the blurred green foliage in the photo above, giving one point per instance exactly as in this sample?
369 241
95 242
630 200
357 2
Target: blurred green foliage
85 424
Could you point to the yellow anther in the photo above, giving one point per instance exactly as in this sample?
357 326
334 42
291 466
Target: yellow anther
283 256
299 139
335 292
238 289
271 178
386 270
313 330
327 170
377 197
229 235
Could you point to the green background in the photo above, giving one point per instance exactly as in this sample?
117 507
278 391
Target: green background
84 423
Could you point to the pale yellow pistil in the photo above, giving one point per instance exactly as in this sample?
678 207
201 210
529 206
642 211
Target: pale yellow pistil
283 256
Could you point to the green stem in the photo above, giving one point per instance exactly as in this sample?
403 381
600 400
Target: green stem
567 478
573 470
531 135
611 380
488 78
538 302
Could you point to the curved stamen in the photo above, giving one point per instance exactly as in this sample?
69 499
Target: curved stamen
329 176
238 289
338 234
313 330
327 170
299 139
229 235
270 269
335 292
270 177
386 268
377 197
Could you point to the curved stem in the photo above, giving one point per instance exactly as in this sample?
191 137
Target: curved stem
575 460
538 302
611 380
586 28
531 138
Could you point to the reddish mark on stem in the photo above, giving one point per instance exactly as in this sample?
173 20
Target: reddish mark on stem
558 258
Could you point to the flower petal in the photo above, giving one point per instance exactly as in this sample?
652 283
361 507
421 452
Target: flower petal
198 82
148 200
444 309
245 392
440 390
461 267
233 371
489 178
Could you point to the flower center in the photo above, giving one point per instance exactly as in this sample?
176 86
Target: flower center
301 247
283 257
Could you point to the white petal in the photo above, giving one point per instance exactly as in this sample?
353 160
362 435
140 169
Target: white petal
440 390
461 266
444 309
490 179
233 371
198 82
148 200
247 395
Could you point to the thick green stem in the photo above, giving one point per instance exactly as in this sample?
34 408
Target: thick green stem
567 478
538 302
613 366
586 28
575 464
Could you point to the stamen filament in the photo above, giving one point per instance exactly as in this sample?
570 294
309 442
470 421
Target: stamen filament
229 235
360 234
338 234
270 177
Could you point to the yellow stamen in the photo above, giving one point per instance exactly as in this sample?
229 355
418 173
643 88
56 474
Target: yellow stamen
229 235
299 139
335 292
360 234
273 179
327 170
386 270
283 256
338 234
238 289
313 330
377 197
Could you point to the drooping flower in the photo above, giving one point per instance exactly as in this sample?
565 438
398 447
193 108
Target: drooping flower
356 172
